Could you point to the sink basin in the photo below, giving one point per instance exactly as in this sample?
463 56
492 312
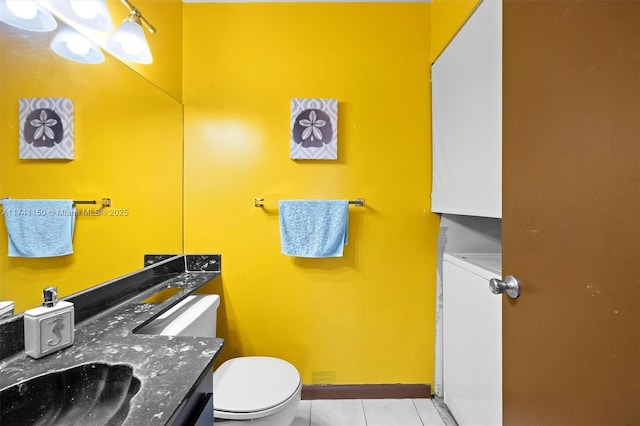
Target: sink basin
88 394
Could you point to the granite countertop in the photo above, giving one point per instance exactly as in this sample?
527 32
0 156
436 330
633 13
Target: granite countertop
168 367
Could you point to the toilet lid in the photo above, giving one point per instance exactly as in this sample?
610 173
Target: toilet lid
256 383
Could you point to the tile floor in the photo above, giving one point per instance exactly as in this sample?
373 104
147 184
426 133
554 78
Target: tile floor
369 412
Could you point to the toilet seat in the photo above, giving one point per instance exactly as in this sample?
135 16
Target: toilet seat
251 387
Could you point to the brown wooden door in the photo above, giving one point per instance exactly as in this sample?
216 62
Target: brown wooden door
571 212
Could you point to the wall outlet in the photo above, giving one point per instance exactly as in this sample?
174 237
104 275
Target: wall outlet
323 377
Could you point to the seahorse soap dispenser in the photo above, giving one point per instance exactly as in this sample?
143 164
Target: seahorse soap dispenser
50 327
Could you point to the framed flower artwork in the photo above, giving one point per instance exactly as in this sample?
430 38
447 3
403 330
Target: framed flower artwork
46 128
314 129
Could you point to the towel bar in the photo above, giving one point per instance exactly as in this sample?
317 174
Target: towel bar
106 202
358 202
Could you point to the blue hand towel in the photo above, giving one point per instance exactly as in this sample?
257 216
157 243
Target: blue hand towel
313 228
39 228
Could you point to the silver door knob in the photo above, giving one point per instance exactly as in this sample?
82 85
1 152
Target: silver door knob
511 285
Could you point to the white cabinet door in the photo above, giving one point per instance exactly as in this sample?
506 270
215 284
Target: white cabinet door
472 341
466 96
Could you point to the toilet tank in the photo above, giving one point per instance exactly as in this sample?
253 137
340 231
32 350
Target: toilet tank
195 315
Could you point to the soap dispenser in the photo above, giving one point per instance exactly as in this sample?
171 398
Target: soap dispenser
49 327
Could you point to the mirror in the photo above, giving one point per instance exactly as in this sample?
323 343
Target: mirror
128 147
166 43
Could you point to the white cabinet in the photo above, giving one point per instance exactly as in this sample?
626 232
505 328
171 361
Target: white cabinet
472 339
466 98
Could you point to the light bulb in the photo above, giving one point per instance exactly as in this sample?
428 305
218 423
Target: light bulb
70 44
85 8
129 43
77 46
132 47
22 9
91 14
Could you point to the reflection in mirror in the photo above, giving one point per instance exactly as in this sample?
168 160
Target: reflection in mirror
128 147
161 20
72 45
165 42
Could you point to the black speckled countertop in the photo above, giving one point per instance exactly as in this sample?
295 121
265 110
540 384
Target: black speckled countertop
169 368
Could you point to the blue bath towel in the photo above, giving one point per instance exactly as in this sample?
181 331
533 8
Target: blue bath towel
39 228
313 228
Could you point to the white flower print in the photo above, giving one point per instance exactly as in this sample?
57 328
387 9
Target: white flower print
312 125
43 126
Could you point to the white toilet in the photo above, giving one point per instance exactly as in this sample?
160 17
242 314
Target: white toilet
263 391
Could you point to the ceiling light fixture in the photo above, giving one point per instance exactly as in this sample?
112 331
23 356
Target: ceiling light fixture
92 14
26 15
128 42
70 44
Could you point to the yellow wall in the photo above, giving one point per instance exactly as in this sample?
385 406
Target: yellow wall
367 317
128 146
447 16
